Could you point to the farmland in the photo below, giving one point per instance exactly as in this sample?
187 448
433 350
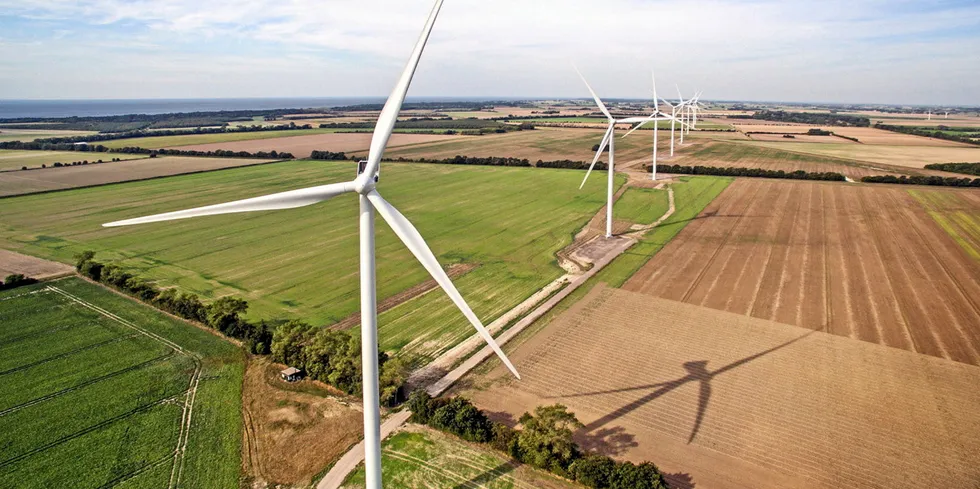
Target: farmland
302 146
827 257
47 179
226 137
98 390
303 263
894 155
741 402
735 154
15 160
420 458
26 135
958 213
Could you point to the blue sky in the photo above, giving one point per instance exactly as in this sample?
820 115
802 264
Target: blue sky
875 51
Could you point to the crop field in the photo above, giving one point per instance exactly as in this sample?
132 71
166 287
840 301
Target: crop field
302 263
958 213
799 138
858 261
30 266
734 154
191 139
47 179
738 402
27 135
15 160
641 205
894 155
302 146
420 458
541 144
99 391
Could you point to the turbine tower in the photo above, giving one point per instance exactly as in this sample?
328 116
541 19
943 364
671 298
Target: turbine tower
364 185
655 117
608 138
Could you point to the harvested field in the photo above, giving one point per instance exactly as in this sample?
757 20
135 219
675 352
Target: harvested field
799 138
27 135
738 402
47 179
11 263
302 146
540 144
859 261
292 431
157 142
766 126
895 155
13 160
726 154
881 137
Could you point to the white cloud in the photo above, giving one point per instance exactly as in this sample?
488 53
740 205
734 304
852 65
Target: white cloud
858 50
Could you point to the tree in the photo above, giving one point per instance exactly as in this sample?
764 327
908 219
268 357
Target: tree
287 343
394 373
83 258
545 441
593 471
643 476
460 417
223 315
419 403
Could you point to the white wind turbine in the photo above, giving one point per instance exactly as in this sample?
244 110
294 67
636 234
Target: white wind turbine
370 200
655 117
608 138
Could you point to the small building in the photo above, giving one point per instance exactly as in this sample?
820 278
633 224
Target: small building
291 374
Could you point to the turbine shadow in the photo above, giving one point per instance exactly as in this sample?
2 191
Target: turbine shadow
697 371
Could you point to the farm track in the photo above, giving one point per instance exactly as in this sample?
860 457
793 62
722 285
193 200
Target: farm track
832 412
863 262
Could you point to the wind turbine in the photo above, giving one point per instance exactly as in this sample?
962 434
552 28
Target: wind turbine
608 138
364 185
655 117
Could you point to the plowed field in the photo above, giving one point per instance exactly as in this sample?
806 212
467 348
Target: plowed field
739 402
859 261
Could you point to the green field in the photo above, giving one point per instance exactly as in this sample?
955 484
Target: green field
94 390
186 140
303 263
641 205
421 458
14 159
562 120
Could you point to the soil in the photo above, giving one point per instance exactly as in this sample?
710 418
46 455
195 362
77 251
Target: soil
11 263
731 401
40 180
293 430
859 261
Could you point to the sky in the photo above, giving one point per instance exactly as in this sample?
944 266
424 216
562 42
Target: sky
853 51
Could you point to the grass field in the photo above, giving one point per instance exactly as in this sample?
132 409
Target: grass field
958 213
641 205
14 160
422 458
303 262
96 391
186 140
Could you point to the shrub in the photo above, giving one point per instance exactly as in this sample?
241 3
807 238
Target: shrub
594 471
644 476
16 280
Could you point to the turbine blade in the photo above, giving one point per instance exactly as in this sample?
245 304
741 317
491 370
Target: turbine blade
648 119
679 94
602 146
598 101
389 114
654 86
413 240
283 200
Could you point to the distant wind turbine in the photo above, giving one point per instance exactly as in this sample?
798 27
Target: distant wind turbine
655 117
364 185
608 138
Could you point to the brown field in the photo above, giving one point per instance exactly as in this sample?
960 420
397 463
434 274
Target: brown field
895 155
958 213
30 181
862 261
799 138
11 263
302 146
724 154
870 135
739 402
26 135
292 431
766 126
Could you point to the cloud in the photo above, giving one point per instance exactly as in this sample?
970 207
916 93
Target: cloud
859 50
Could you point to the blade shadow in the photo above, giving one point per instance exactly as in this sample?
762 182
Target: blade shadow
697 371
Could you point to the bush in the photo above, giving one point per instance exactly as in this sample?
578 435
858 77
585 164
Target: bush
545 440
643 476
923 180
16 280
594 471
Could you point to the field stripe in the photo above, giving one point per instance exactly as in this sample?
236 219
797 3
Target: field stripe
68 353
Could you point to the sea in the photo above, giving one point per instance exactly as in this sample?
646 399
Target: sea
11 109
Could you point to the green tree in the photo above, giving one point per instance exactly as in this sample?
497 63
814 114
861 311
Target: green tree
394 373
288 341
545 440
224 315
593 471
643 476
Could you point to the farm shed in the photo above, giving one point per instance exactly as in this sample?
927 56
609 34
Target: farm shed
291 374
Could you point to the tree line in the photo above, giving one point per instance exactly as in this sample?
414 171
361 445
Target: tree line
98 148
330 356
815 118
169 132
481 126
749 172
132 122
15 280
544 440
923 180
929 133
500 161
964 168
